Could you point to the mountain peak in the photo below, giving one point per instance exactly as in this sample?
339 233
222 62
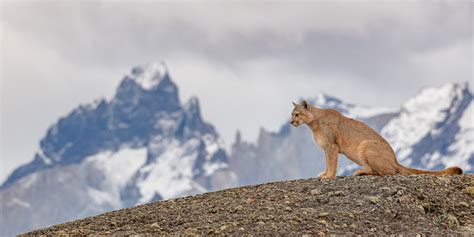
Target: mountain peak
325 101
148 76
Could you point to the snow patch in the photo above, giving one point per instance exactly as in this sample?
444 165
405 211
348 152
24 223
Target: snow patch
150 75
18 202
419 116
463 148
172 172
210 168
324 101
119 167
43 157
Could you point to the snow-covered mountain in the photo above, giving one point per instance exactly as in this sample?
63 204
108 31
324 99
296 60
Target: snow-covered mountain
142 145
435 129
432 130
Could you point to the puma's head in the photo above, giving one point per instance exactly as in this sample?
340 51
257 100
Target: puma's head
301 114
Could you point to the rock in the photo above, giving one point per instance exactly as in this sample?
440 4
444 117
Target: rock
260 223
289 209
469 190
353 226
338 193
374 199
464 204
324 222
421 209
385 189
224 227
315 192
323 214
237 208
451 221
155 225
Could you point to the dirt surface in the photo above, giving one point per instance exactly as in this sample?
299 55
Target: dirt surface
414 204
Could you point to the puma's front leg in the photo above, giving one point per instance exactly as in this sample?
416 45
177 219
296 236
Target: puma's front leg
325 170
331 161
320 175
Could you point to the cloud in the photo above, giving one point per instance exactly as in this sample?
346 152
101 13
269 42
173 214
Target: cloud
253 56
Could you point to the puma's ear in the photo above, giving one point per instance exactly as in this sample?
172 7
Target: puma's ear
305 104
295 104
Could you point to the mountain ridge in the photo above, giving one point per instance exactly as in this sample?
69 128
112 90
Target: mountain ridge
400 204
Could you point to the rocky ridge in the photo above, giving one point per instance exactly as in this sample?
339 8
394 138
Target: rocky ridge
413 204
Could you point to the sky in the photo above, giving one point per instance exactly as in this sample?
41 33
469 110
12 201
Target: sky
245 60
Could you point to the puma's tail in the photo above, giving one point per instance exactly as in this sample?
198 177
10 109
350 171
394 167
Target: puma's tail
447 171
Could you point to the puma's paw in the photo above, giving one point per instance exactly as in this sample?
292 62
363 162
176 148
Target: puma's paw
322 174
328 177
358 173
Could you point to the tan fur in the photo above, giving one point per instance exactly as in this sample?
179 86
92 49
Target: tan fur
337 134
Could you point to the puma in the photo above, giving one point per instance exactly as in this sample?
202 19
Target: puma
337 134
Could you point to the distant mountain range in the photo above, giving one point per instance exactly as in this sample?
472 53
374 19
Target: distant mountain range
141 146
144 145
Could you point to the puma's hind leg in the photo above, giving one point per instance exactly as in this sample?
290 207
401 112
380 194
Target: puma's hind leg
365 171
378 158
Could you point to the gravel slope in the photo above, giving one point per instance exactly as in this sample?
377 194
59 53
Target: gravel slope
381 205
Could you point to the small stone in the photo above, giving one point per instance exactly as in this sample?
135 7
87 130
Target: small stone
469 190
338 193
315 192
224 227
323 222
155 225
344 225
452 220
289 209
464 204
238 208
287 202
353 226
323 214
241 229
260 223
374 199
385 189
421 209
